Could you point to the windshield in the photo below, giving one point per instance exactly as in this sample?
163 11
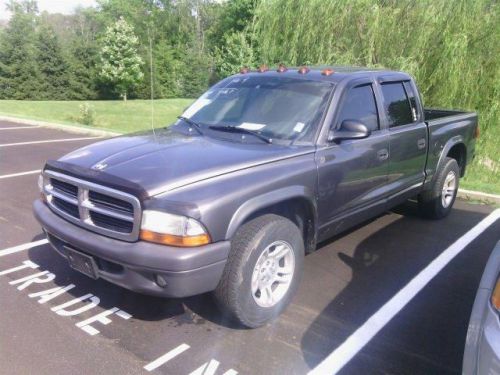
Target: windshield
279 108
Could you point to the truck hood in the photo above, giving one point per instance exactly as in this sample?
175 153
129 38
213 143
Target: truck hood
164 160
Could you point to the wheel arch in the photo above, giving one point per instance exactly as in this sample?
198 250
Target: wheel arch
456 144
458 151
296 203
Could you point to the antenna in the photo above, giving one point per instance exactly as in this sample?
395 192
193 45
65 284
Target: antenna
151 80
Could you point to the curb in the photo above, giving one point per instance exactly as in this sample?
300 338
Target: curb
478 196
69 128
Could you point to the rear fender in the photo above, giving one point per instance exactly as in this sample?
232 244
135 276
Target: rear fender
458 139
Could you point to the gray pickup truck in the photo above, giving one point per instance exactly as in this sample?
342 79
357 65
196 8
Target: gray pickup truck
255 173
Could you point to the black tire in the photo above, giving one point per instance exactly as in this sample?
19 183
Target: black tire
431 202
234 292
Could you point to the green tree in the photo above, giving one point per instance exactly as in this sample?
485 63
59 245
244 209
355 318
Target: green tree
121 63
193 74
83 54
52 66
235 53
19 76
234 16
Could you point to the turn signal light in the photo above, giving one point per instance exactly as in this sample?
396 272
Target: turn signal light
179 241
263 68
303 70
495 297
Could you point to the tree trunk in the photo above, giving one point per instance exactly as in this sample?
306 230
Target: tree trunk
124 96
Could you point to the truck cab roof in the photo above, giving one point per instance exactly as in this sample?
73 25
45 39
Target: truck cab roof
340 73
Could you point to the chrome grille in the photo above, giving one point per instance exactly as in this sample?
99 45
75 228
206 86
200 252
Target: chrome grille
92 206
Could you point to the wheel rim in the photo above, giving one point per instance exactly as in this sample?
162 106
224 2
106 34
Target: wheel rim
273 274
449 187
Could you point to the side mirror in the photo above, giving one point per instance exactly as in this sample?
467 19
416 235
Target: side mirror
349 129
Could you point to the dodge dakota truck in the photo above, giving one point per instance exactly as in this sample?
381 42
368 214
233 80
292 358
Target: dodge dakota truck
251 177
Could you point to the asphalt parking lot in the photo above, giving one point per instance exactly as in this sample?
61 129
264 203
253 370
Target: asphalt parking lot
82 325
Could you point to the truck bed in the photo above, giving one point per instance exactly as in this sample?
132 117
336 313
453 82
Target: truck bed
434 113
445 126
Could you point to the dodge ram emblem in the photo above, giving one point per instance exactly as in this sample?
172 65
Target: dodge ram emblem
100 166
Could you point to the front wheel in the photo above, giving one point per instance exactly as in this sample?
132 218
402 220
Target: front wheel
437 203
263 271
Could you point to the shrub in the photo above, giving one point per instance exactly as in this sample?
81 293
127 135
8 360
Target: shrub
87 114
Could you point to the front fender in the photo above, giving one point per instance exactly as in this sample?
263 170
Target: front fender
268 199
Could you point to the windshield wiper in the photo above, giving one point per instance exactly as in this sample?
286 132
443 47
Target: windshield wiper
191 123
229 128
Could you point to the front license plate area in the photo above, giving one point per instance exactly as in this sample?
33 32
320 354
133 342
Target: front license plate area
82 263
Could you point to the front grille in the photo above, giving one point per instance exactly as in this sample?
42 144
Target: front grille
110 202
69 208
64 187
95 207
108 222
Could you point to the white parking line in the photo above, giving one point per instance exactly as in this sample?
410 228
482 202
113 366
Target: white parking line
22 247
166 357
20 127
354 343
19 174
47 141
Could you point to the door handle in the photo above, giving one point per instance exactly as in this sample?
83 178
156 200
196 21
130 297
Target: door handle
421 143
383 154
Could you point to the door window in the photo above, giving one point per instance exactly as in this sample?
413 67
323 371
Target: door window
396 104
360 105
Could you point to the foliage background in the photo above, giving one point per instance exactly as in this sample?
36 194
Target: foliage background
451 47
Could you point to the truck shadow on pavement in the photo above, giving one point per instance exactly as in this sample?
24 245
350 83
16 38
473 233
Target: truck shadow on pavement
380 265
344 283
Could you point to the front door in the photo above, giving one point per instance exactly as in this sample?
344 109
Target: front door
352 173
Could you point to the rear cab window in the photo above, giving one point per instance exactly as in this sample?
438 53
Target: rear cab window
400 108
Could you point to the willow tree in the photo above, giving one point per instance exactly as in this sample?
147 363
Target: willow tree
121 62
451 47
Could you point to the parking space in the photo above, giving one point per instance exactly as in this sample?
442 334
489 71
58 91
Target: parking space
60 320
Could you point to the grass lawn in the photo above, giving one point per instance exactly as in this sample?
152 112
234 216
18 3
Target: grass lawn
481 178
114 115
125 117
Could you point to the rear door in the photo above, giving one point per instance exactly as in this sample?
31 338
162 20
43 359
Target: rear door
352 173
407 138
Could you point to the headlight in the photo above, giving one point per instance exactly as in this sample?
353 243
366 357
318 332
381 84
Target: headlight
174 230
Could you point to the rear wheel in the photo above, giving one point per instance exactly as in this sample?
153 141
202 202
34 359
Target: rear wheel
437 203
263 270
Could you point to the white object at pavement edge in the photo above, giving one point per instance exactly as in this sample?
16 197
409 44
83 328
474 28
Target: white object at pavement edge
68 128
363 335
478 195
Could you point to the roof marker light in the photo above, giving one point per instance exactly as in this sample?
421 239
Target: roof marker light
263 68
327 72
244 70
303 70
282 68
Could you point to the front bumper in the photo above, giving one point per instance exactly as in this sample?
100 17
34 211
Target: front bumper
136 265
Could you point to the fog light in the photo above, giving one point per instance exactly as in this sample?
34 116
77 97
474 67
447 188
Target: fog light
161 281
